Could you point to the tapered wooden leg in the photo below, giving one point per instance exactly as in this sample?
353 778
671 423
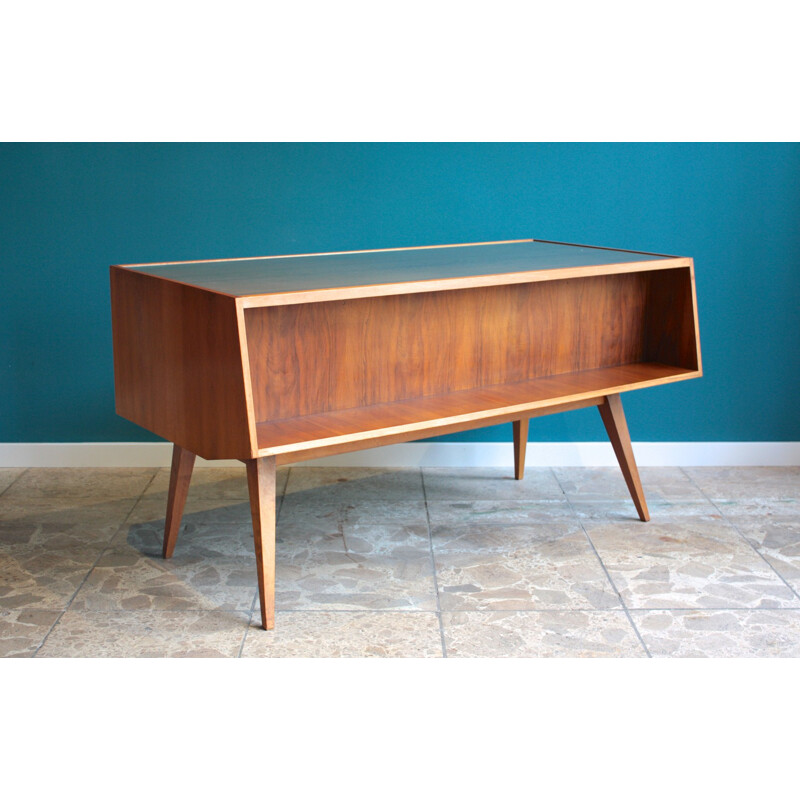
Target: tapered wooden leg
520 427
617 429
182 465
261 483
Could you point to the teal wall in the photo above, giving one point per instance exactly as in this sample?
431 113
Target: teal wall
67 211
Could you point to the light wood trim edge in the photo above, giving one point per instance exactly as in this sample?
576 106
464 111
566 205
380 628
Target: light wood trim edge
444 284
696 319
248 383
503 414
346 447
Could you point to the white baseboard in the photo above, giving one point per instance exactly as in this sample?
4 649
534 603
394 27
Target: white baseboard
433 454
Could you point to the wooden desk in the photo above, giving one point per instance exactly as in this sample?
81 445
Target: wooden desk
281 359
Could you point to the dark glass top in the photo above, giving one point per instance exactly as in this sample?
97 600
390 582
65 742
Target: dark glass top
273 275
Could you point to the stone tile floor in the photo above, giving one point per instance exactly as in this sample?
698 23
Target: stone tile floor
405 562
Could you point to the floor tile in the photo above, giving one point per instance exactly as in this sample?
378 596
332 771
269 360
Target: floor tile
7 476
343 558
777 538
328 512
483 537
127 580
321 634
499 512
760 633
146 634
731 483
201 511
206 540
69 523
73 483
760 507
623 510
526 634
342 485
592 484
340 580
686 563
493 484
22 630
364 539
43 577
216 495
518 568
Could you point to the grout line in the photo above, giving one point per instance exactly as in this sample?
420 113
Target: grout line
600 560
540 610
696 609
736 528
24 471
433 565
249 622
353 611
97 560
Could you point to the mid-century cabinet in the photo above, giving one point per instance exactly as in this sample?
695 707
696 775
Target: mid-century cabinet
282 359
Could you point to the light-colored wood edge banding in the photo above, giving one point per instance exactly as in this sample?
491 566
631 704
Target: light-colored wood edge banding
407 436
696 320
248 383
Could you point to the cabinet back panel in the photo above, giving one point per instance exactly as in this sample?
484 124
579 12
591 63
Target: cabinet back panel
319 357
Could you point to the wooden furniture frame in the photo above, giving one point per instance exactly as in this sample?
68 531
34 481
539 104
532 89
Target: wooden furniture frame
287 358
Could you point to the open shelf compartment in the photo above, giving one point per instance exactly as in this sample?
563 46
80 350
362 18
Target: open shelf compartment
458 410
335 376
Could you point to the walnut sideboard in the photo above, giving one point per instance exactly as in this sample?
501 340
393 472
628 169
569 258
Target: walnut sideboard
286 358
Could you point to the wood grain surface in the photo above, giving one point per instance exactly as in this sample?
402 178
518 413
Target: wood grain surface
321 357
519 429
617 429
178 365
261 485
672 334
179 478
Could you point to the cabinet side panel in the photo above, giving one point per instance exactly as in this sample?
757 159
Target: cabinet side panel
177 364
319 357
672 336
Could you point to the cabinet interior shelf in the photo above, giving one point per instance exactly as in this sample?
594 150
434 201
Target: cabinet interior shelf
408 418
